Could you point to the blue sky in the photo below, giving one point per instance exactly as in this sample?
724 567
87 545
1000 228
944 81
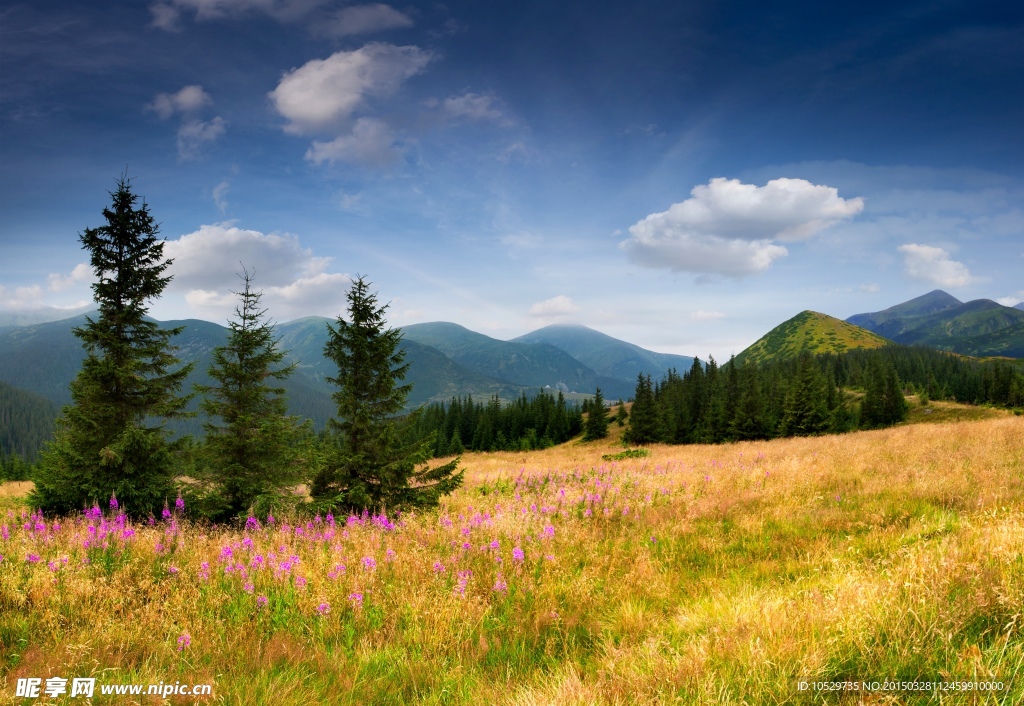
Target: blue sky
682 175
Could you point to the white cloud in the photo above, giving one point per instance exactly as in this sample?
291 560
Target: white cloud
193 134
370 142
931 264
706 315
21 298
58 283
1012 300
220 195
187 100
554 307
294 282
728 227
362 19
473 106
323 93
870 288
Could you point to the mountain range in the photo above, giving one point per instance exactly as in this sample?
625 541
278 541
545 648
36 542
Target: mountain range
980 327
446 359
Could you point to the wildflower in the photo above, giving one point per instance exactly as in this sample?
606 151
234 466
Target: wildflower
252 524
262 601
494 544
270 519
165 513
32 558
438 567
184 640
179 504
549 531
323 609
518 555
499 585
357 599
300 582
369 563
248 587
204 571
390 555
113 501
172 570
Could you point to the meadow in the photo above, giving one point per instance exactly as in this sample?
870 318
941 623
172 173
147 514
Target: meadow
695 574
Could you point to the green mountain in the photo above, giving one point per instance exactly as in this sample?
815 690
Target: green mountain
818 333
606 355
531 365
975 318
26 421
979 328
895 320
1019 306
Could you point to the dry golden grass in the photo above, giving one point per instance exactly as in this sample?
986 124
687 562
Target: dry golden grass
698 574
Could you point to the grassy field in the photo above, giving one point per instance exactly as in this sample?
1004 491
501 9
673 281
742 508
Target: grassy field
699 574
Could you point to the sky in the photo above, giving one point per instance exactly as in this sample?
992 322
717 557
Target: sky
681 175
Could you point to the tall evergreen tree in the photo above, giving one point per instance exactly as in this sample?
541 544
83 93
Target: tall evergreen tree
369 468
643 425
252 453
597 421
110 440
806 412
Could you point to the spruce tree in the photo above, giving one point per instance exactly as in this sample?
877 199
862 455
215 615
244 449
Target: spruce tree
368 467
597 421
643 425
251 453
621 415
110 440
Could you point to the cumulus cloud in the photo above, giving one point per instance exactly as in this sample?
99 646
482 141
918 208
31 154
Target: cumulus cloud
293 280
371 142
473 106
193 134
58 282
187 100
554 307
362 19
323 93
727 227
1012 300
932 264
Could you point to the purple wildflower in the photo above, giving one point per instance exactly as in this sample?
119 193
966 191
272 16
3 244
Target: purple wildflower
323 609
262 601
357 599
184 641
518 555
179 504
369 563
113 501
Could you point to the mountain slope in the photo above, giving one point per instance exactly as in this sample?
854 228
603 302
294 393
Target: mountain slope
818 333
26 421
531 365
895 320
606 355
975 318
